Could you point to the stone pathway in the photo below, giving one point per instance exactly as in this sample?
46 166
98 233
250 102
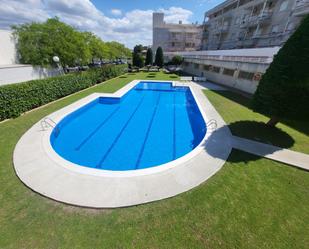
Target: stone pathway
294 158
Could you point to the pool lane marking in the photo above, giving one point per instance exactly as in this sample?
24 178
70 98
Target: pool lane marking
120 133
96 129
147 132
174 126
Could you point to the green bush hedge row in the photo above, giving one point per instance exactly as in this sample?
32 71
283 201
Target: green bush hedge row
16 99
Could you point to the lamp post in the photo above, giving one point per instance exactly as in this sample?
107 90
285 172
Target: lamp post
56 60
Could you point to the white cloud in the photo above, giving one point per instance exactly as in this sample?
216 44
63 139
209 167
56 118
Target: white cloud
130 28
176 14
116 12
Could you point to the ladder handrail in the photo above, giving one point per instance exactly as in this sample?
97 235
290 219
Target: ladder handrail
49 122
212 124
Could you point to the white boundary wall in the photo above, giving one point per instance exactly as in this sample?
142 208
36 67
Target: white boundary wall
10 72
19 73
7 48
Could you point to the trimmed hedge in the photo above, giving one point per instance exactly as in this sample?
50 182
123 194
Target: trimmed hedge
16 99
283 92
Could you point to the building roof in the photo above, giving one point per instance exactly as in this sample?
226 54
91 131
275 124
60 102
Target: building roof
219 7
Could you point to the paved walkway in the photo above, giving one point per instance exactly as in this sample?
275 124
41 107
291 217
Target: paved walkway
294 158
210 86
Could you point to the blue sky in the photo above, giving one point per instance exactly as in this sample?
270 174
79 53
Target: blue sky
125 21
198 7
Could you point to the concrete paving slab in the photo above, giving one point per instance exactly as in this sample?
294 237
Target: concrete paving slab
44 171
294 158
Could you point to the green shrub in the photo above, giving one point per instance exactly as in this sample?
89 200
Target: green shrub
16 99
283 92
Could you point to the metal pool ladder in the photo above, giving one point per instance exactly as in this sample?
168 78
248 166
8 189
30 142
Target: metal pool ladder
48 122
212 124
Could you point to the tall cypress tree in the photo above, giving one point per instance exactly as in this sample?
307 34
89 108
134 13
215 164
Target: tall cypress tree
149 57
283 91
138 60
159 61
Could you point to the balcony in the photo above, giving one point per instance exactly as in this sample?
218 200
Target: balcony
221 29
254 20
301 8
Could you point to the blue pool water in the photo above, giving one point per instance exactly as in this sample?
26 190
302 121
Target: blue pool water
152 124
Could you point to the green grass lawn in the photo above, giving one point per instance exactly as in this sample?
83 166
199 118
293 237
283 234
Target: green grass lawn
243 122
250 203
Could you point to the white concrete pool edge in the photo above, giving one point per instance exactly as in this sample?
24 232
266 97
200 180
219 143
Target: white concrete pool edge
44 171
60 114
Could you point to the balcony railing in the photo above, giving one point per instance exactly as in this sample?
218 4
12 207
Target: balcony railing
254 20
250 59
301 8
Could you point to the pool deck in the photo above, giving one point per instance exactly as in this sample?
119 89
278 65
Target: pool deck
42 170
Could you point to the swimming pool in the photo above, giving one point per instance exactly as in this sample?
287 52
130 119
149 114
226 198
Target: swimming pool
152 124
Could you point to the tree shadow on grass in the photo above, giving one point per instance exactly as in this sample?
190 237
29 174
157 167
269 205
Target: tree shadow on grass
238 156
261 132
150 76
173 76
123 77
220 140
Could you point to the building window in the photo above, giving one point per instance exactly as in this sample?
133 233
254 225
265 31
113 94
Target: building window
216 69
283 6
229 72
207 67
173 44
291 26
196 65
245 75
186 63
275 29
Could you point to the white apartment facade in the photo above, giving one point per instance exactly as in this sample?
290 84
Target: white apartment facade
175 37
252 23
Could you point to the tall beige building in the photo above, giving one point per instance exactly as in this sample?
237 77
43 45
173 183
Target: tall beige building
175 37
252 23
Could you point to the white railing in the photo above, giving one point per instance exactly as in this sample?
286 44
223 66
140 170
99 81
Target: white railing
252 59
186 78
212 124
199 79
301 7
48 122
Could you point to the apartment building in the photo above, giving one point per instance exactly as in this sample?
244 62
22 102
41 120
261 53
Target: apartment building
252 23
175 37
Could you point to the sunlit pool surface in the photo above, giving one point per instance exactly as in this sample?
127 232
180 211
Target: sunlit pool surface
152 124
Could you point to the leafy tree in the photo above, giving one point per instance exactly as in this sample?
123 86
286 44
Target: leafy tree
149 57
283 91
177 60
117 50
37 43
138 59
95 45
159 60
138 49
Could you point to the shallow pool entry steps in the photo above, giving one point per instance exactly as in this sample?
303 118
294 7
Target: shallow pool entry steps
146 142
134 132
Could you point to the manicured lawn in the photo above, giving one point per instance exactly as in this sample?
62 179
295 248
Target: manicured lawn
250 203
243 122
